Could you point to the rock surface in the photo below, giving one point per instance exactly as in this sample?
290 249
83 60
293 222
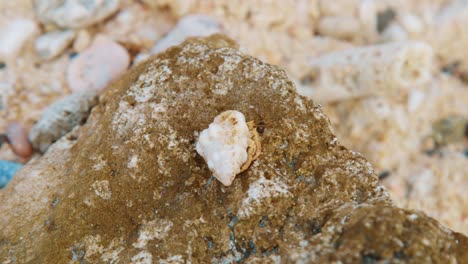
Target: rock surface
129 187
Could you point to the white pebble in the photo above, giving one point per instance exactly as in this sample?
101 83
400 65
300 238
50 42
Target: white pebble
189 26
342 27
75 13
415 99
14 36
82 40
53 43
224 144
413 217
99 65
411 23
394 32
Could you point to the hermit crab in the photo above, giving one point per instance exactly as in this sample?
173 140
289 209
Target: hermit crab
229 145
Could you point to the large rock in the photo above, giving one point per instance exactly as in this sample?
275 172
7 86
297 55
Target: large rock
129 186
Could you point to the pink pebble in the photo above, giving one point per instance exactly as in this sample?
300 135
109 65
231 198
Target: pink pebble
17 136
97 66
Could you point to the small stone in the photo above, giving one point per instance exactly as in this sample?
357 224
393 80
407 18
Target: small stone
54 43
17 136
189 26
394 32
60 118
82 40
8 169
344 27
452 68
411 23
75 13
450 130
97 66
14 36
140 58
415 100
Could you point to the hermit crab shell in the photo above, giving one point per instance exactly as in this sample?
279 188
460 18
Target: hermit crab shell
229 145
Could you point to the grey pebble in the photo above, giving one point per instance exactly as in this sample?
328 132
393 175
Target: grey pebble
60 118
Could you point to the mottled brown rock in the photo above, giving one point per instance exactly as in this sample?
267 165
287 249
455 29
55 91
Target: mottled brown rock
129 186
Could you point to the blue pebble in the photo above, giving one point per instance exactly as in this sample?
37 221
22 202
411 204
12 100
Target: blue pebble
8 169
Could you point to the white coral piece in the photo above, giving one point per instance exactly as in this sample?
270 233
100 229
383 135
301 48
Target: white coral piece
224 144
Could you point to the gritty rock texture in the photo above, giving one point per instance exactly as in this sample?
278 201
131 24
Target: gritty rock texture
129 187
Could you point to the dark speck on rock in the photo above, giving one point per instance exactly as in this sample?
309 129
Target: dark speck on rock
314 228
272 251
56 201
208 182
252 247
300 178
233 221
370 259
399 255
261 127
209 242
262 222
